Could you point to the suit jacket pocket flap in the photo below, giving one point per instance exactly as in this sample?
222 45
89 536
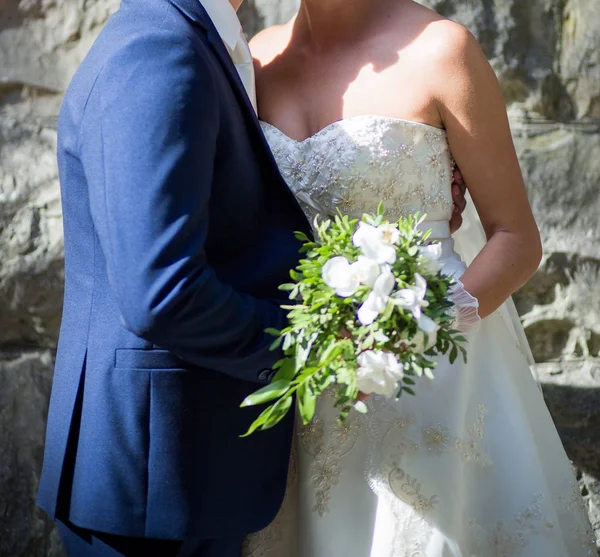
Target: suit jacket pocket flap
148 359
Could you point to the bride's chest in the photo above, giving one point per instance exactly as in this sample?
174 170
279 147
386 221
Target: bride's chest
354 164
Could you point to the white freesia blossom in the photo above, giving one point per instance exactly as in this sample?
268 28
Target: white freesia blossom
427 325
337 274
373 243
378 297
390 232
430 328
365 270
413 298
420 343
431 255
378 373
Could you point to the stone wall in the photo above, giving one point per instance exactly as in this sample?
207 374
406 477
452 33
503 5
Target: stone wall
547 56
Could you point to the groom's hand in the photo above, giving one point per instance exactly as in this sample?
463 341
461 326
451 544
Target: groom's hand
458 197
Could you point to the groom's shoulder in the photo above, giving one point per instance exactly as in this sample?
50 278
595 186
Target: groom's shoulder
135 52
148 34
133 42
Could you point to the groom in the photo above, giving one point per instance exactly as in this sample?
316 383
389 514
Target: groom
178 231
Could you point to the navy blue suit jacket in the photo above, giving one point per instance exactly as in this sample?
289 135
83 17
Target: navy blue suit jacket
178 231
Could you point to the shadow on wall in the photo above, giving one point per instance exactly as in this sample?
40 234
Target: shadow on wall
576 413
252 20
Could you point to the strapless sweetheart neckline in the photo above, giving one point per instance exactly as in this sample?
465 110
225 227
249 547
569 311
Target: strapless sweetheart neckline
354 163
351 119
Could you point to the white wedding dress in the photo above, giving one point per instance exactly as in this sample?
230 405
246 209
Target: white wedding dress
472 466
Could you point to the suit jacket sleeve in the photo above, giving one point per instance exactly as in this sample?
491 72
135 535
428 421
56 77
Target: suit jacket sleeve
157 132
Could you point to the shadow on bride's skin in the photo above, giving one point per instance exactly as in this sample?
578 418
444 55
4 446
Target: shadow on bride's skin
333 56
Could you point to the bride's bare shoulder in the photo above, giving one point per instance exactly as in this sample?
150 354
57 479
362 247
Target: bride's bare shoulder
447 52
435 44
270 43
443 40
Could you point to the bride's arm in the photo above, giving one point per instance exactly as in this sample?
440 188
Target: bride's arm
472 109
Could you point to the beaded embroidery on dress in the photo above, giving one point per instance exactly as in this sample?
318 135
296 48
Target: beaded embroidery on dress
472 466
405 165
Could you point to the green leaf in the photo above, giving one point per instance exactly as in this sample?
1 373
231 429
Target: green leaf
305 374
453 354
344 414
286 370
301 236
381 337
270 392
276 344
332 351
387 312
280 409
408 390
302 354
307 403
367 343
259 422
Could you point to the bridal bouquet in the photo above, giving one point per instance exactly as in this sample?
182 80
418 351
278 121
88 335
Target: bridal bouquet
371 310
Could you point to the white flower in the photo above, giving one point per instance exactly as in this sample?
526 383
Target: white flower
391 234
337 275
430 255
430 328
427 325
365 270
413 298
378 373
373 243
426 336
419 344
378 297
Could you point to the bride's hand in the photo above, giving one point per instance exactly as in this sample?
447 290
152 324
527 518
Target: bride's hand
458 197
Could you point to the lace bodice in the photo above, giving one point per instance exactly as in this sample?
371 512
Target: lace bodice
355 163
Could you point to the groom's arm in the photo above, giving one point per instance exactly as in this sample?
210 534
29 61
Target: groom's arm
157 140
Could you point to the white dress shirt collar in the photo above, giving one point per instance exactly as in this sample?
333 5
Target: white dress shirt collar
225 20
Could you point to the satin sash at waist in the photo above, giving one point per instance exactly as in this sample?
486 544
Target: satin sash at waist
440 229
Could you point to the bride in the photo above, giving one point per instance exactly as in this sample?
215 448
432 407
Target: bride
369 100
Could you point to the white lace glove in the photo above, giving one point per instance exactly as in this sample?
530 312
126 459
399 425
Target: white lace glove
465 310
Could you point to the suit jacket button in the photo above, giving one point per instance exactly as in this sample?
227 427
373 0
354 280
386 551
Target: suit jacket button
265 374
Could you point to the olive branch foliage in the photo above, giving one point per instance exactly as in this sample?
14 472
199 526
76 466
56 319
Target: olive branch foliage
324 337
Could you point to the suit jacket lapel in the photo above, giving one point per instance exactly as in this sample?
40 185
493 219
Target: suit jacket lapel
193 10
222 53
